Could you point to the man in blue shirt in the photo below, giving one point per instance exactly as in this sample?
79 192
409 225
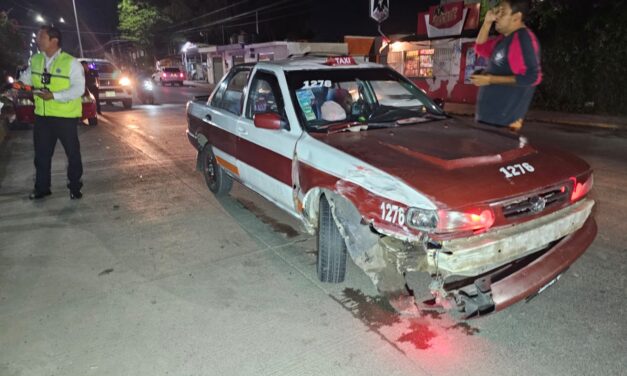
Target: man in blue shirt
506 87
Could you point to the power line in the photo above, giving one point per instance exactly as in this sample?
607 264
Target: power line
208 14
232 18
267 19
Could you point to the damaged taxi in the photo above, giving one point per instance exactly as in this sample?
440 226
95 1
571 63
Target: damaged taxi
433 208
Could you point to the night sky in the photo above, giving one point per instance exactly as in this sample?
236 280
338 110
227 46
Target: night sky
98 19
328 20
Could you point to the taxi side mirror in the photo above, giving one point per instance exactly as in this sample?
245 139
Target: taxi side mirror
269 120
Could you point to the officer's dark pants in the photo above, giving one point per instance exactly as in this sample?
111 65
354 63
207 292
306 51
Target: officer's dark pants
45 134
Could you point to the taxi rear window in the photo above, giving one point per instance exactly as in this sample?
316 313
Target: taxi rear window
171 70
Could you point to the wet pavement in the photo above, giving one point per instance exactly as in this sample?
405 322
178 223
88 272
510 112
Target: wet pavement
150 274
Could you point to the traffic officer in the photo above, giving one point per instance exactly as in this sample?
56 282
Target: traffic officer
58 83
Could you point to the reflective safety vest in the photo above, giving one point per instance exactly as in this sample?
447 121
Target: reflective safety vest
59 80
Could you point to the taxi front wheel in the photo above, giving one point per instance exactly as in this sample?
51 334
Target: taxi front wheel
217 180
331 262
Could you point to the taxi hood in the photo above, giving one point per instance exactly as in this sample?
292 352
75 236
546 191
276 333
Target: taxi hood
456 163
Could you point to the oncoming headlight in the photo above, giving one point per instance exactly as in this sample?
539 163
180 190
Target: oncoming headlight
125 81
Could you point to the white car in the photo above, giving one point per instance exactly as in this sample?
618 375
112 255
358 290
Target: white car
114 86
169 75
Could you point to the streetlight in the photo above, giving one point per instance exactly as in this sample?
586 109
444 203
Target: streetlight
78 32
34 35
61 20
39 18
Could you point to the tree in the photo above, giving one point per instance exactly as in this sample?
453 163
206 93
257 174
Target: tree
13 47
139 23
584 49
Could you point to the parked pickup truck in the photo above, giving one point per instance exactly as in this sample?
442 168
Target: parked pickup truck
434 209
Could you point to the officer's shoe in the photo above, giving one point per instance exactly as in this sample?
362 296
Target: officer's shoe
76 195
36 195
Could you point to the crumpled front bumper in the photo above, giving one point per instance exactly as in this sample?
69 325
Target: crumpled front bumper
546 268
480 254
535 255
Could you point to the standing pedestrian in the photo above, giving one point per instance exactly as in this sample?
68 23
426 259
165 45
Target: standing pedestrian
506 87
92 84
58 84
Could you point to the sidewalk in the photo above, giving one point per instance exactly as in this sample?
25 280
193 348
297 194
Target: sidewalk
598 121
203 84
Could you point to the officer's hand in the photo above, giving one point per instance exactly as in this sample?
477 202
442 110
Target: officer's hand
45 95
480 79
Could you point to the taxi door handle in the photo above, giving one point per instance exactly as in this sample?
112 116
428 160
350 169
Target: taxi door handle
207 119
242 130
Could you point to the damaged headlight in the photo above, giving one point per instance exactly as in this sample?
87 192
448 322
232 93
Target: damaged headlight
422 219
467 220
447 221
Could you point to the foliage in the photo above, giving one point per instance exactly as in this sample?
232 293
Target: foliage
584 49
13 47
139 22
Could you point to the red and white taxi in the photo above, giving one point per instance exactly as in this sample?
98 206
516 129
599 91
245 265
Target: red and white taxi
433 208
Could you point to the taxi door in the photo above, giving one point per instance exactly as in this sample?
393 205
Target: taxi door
223 116
264 156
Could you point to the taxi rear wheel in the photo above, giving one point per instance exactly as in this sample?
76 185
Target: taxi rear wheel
216 179
331 260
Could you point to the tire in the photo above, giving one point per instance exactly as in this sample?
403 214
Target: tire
92 121
331 259
216 179
128 104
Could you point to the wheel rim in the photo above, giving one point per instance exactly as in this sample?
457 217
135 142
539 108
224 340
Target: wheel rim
210 169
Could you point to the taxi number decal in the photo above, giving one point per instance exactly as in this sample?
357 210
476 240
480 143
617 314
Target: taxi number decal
392 213
316 83
517 170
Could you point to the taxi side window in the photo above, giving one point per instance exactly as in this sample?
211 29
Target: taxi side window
231 98
265 96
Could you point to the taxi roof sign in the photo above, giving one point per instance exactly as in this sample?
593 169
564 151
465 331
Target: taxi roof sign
340 60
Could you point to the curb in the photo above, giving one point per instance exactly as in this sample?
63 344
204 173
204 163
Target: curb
557 120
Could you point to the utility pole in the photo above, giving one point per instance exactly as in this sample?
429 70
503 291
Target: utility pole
78 31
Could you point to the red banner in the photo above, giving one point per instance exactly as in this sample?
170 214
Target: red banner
447 15
426 26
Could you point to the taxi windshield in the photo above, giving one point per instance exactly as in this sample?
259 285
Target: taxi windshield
365 95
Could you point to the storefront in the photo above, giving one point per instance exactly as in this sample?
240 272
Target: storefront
222 58
440 57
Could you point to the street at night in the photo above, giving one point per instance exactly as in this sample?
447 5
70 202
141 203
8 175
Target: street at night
150 274
300 187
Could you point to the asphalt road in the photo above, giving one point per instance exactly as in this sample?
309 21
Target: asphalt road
150 274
